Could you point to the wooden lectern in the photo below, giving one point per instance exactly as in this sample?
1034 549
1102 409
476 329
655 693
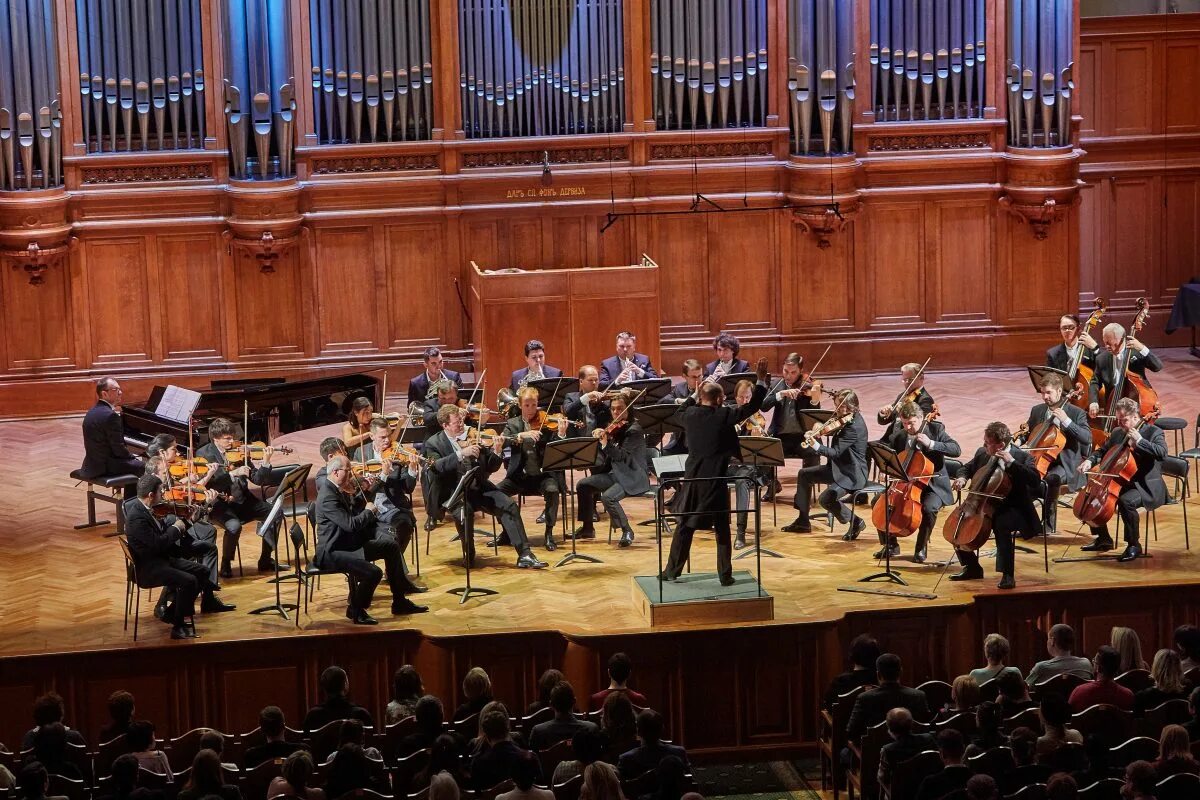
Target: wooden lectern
577 313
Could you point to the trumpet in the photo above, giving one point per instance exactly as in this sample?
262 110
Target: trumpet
507 403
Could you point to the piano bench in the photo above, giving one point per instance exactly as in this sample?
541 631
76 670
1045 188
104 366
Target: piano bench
113 483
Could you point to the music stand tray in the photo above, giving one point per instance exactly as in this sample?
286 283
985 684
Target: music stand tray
812 417
656 420
556 388
1038 373
653 389
759 451
470 394
563 455
292 483
413 434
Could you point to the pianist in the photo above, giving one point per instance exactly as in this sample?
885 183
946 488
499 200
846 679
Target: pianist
104 450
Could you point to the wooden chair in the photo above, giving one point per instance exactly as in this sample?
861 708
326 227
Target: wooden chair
568 789
525 725
1029 718
1172 712
106 753
1106 721
831 740
937 694
994 762
1063 684
1068 757
405 769
78 755
1183 786
1034 791
389 739
498 789
364 794
989 690
256 780
324 740
1135 680
424 794
467 728
182 749
641 785
1139 748
962 722
133 589
153 780
907 775
1026 775
553 755
71 788
864 762
1107 789
1192 676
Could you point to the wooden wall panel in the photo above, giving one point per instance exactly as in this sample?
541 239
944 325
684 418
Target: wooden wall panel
189 269
679 245
416 278
821 281
1136 208
282 684
1132 105
118 291
1181 232
894 252
272 309
346 269
961 235
1091 243
1182 89
1089 87
39 325
742 265
155 702
1034 264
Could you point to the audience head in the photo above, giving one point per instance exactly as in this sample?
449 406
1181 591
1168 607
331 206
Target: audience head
429 714
443 756
406 683
600 782
1012 687
212 740
617 715
619 668
442 786
1108 662
951 746
899 722
1060 641
33 780
1140 780
493 723
965 693
864 651
1023 742
1167 671
1055 710
887 668
351 732
298 769
349 762
334 682
1061 786
477 684
1187 642
588 745
1174 742
982 787
988 717
562 699
206 773
995 649
494 705
525 771
649 725
120 707
671 772
140 736
47 709
1125 641
124 771
550 678
271 721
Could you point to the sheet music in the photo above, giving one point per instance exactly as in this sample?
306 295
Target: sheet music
177 403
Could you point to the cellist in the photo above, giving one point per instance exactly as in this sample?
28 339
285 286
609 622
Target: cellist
1072 420
908 433
1014 513
1105 376
1144 490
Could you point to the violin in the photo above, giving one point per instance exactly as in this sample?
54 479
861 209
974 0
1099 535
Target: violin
898 510
754 425
616 426
554 422
184 503
1047 440
484 438
970 523
180 467
396 420
909 395
1077 372
826 428
257 451
402 452
1096 502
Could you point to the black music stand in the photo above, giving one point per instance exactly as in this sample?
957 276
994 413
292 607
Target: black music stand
460 497
413 434
470 394
887 461
291 484
556 388
759 451
657 420
665 468
567 455
1037 374
729 382
652 390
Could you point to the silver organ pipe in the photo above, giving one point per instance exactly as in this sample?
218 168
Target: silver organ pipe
1039 74
260 100
30 103
820 75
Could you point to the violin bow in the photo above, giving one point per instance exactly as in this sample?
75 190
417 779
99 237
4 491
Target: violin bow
908 386
626 410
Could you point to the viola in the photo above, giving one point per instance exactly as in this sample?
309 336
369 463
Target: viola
1096 502
184 503
554 422
183 467
484 438
1047 440
238 452
754 425
970 523
898 510
402 452
826 428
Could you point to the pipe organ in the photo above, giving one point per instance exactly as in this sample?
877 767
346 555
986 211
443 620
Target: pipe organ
372 70
141 74
541 67
1039 75
928 59
820 75
260 87
708 63
30 101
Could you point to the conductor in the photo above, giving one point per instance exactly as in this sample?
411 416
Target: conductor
710 427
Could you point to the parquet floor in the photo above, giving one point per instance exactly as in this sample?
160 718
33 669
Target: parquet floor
63 590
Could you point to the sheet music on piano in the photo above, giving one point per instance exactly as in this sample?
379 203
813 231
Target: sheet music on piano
177 404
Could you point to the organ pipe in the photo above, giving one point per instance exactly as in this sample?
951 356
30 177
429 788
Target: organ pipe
260 99
820 75
30 103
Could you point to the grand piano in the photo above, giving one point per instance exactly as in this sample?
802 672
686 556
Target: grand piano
276 405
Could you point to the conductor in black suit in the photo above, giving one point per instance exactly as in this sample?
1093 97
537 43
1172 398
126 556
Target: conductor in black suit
712 444
346 542
104 450
535 367
727 347
627 365
1073 422
693 372
1074 344
1114 352
419 385
844 473
161 551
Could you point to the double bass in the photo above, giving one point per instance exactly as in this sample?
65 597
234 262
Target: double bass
1078 373
970 523
1047 440
1096 502
898 510
1128 384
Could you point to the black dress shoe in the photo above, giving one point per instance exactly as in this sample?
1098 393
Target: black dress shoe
408 587
182 632
541 518
363 618
883 552
968 574
160 612
626 538
168 614
226 570
798 525
502 540
727 580
214 605
1098 546
919 557
595 516
1007 582
529 561
268 565
430 524
550 545
583 533
406 606
1131 552
664 577
739 541
856 527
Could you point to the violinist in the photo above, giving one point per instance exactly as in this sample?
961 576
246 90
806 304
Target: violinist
712 437
1073 423
348 542
745 475
621 471
845 471
788 401
420 387
104 449
535 368
587 405
238 505
627 365
529 437
1145 489
693 371
1112 354
392 492
454 453
1014 513
911 432
157 546
727 347
357 428
913 378
1061 356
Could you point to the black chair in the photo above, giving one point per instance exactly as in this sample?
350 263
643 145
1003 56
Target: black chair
182 749
116 485
388 740
1177 469
989 690
552 756
1177 425
106 753
1033 791
1109 722
1193 452
994 762
1139 748
937 694
1063 683
492 792
70 788
1135 680
1027 718
908 774
1067 757
536 718
568 789
406 769
1183 786
256 780
133 590
1172 712
308 578
1107 789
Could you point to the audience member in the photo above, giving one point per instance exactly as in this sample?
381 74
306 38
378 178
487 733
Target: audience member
1175 753
1187 642
1062 786
1192 726
964 696
481 739
429 718
872 706
904 745
123 782
600 782
982 787
864 651
564 725
524 775
671 774
1060 644
352 732
954 774
1055 712
1023 743
495 760
1095 746
1126 642
444 757
350 769
274 730
7 779
47 710
477 691
215 741
1167 673
651 748
1014 694
50 749
33 781
298 769
443 787
1140 781
120 712
618 723
407 689
140 740
550 678
620 667
588 747
206 779
335 703
995 650
989 733
1104 689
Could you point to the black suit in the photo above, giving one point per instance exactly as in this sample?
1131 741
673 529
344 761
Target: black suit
525 473
549 733
845 472
1147 489
924 401
785 425
1060 359
902 749
952 778
1105 376
610 368
497 763
519 376
937 492
712 444
243 505
620 473
1014 514
677 443
644 758
104 450
418 386
593 415
347 542
159 555
1065 469
393 500
871 707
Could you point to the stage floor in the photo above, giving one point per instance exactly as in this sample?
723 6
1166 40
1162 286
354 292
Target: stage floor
63 590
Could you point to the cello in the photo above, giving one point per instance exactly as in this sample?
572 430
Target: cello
970 523
1078 373
1047 440
1096 502
1127 384
898 510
